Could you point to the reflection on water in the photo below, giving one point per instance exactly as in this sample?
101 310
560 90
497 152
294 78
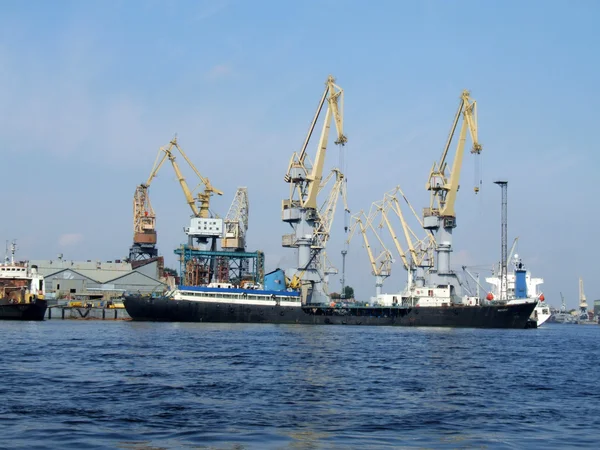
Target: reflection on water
76 384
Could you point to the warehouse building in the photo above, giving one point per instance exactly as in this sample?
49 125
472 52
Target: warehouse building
70 279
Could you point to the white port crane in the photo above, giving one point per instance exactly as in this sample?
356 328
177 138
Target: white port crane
236 222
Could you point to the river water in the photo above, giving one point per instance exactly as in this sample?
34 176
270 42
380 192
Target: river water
127 385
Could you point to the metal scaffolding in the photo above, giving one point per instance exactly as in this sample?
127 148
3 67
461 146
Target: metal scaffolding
201 267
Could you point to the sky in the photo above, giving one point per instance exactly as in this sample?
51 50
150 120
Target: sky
89 91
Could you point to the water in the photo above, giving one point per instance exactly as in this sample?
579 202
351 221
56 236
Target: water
95 384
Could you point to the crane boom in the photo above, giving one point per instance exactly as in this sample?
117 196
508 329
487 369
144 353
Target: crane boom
209 189
144 217
395 239
204 198
440 217
311 225
329 206
380 265
512 250
298 171
444 189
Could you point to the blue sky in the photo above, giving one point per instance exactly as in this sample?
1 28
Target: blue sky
90 90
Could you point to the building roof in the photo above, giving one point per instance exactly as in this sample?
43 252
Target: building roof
98 271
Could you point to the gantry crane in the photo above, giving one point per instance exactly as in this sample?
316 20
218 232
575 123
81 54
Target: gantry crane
300 210
144 218
381 265
236 222
440 217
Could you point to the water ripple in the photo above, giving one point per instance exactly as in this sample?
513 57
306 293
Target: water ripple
160 386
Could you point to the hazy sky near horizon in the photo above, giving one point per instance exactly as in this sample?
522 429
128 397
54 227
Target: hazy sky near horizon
90 90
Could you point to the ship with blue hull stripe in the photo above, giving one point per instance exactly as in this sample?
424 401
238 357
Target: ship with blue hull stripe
233 305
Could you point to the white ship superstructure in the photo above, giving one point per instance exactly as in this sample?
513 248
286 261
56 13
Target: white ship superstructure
541 312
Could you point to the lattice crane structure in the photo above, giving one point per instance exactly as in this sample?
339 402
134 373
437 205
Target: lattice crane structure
236 222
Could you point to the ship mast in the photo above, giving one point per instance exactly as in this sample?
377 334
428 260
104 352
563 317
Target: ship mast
13 249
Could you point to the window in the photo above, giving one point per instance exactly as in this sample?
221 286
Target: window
72 291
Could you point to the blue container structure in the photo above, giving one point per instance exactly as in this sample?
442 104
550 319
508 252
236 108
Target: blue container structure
275 281
520 283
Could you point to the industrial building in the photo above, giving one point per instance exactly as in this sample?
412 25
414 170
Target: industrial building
68 279
597 308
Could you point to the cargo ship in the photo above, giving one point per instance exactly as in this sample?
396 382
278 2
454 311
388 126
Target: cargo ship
433 299
21 290
520 284
429 307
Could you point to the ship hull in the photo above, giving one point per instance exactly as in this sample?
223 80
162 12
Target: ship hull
22 311
168 310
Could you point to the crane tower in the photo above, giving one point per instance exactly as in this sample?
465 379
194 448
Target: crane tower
440 217
300 210
144 218
583 306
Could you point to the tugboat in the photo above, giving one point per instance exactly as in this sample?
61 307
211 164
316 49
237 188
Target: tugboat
21 290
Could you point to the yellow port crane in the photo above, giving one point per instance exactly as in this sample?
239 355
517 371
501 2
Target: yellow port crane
203 198
583 306
420 250
144 218
440 216
300 210
381 265
444 189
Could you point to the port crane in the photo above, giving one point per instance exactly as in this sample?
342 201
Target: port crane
300 209
583 306
440 216
202 227
322 231
236 222
419 258
144 217
563 305
381 265
204 230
